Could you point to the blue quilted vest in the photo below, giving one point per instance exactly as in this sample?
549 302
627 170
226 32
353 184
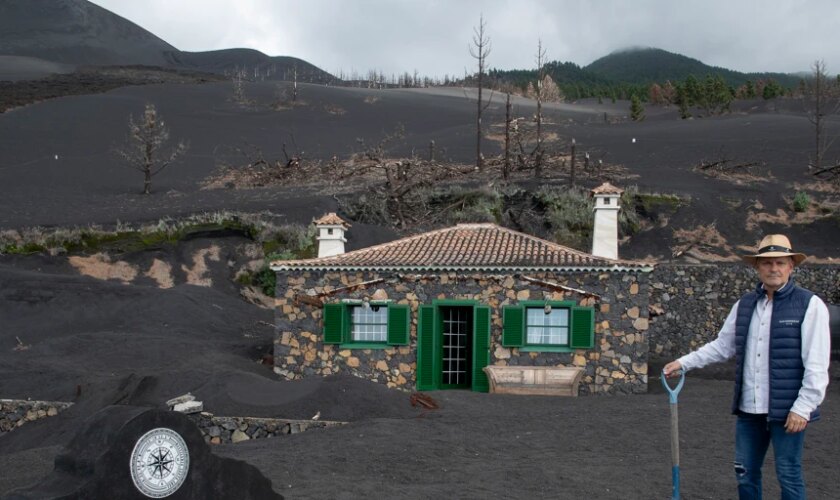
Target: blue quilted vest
786 367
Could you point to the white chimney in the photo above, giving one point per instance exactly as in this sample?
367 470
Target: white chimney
330 237
605 235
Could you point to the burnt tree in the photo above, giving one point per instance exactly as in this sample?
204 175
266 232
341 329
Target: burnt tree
479 51
144 150
538 158
822 101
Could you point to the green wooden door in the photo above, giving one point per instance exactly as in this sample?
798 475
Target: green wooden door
428 371
481 348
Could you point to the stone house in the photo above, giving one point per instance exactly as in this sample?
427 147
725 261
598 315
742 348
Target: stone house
430 311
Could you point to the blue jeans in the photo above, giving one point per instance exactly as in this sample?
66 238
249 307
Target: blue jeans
753 435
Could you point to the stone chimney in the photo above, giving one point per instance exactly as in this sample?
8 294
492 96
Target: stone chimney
605 235
330 237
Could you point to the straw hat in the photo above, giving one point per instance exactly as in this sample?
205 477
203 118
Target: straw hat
774 245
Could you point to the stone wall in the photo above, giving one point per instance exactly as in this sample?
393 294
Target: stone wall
223 430
616 364
16 412
690 302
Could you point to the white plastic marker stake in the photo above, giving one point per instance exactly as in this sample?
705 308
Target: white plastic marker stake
675 433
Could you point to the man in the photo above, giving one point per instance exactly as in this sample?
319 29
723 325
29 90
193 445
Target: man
779 335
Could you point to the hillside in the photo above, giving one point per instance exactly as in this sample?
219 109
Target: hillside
76 32
649 65
255 64
628 72
79 181
43 37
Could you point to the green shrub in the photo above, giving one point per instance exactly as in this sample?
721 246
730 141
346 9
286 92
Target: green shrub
801 201
244 278
296 241
460 205
281 256
568 213
629 222
266 280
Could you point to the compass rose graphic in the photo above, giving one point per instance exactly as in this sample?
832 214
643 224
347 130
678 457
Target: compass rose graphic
159 463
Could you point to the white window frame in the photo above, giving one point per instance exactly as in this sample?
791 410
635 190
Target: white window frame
548 334
374 324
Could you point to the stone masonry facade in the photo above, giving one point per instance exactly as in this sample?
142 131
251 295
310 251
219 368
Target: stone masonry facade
616 364
689 303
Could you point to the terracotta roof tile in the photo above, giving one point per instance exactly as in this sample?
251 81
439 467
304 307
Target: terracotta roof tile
332 219
473 246
607 188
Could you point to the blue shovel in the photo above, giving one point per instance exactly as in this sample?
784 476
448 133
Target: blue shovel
675 432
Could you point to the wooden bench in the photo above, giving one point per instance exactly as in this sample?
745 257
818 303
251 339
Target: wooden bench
534 380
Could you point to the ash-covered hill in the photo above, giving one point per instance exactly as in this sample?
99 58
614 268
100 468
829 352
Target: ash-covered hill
42 37
57 166
76 32
256 65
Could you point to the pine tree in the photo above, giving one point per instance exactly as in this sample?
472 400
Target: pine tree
682 102
750 90
721 94
693 92
637 111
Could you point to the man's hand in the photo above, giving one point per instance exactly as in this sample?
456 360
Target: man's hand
795 423
672 369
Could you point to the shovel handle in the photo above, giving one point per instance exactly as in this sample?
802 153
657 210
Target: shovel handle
675 438
675 391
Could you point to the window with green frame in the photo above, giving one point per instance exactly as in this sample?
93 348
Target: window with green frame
548 326
378 326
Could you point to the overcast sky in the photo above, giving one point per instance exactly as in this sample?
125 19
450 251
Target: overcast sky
432 36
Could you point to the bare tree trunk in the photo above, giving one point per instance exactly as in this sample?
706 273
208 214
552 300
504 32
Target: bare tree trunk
432 150
540 77
586 165
148 158
506 168
147 183
572 170
479 159
479 51
816 115
294 87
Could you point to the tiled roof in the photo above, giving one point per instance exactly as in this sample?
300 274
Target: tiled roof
466 246
607 188
332 219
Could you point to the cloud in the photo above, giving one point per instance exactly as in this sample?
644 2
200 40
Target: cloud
432 36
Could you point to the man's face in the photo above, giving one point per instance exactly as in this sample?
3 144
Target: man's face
774 271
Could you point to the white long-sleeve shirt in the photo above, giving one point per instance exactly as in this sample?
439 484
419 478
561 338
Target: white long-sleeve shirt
755 388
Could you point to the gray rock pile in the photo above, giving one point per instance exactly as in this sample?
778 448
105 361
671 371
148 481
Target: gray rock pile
16 412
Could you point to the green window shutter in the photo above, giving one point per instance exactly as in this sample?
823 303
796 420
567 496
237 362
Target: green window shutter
583 328
334 323
426 351
481 349
398 324
513 318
